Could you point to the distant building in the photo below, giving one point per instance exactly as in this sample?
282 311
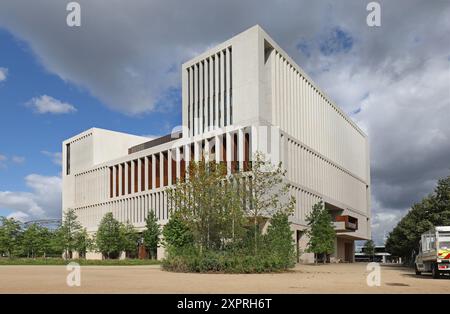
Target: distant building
242 96
381 256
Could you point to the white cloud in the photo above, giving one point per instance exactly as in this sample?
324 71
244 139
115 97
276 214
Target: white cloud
3 74
44 200
55 157
48 104
18 159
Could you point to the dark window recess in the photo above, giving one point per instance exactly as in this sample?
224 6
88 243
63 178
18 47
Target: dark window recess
158 141
174 169
247 164
129 176
224 150
123 178
111 192
231 85
150 172
157 171
165 169
182 165
142 174
117 179
189 100
135 164
67 159
234 162
225 87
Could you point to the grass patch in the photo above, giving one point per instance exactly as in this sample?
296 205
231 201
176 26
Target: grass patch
82 262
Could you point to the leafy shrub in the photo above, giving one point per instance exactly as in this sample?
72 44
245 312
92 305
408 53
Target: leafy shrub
224 262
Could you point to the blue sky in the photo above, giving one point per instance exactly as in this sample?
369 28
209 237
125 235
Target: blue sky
33 137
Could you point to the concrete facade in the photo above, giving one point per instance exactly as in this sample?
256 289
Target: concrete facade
242 96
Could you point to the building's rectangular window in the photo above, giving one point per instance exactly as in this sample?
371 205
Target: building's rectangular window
68 159
165 169
122 166
157 171
246 152
203 97
189 100
231 85
117 179
220 91
129 177
111 182
224 149
135 172
214 90
182 164
225 88
192 149
150 172
194 87
235 161
209 94
198 100
142 174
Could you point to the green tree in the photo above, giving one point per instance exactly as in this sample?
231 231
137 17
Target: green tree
32 240
10 236
130 239
151 234
68 232
321 232
83 243
432 210
177 233
369 249
267 193
279 239
108 238
203 202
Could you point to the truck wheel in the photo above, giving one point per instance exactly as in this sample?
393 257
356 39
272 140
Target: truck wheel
435 271
418 272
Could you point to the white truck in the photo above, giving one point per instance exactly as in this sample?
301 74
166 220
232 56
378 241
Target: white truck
434 252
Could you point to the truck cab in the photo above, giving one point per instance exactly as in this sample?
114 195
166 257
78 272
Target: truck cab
434 252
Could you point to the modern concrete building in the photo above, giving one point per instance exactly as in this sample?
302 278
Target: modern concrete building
242 96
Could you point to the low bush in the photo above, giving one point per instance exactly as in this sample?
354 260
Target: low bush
224 262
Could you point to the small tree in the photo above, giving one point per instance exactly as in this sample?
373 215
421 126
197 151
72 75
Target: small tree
10 236
151 234
68 232
130 239
267 192
108 238
202 200
279 239
177 233
83 243
32 240
321 232
369 249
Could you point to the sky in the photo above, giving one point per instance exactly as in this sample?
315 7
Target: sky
120 70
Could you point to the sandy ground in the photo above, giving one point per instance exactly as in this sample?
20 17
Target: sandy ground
335 278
